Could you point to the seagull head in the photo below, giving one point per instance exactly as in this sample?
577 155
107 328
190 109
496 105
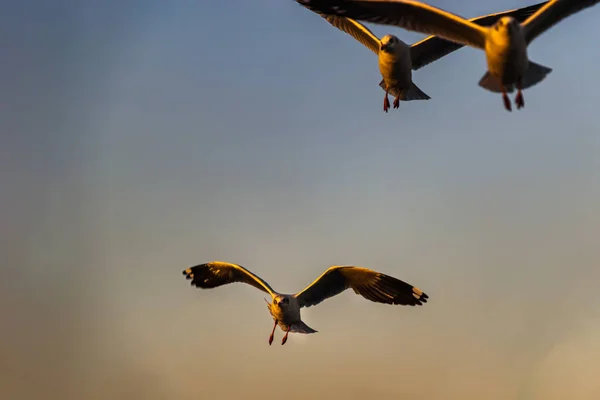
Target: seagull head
507 25
281 301
388 43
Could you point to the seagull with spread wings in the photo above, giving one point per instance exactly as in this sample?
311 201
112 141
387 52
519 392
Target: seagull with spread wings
285 308
505 42
397 59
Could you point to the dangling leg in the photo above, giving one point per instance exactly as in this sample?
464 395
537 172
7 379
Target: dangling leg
272 333
286 335
386 101
519 100
397 101
507 104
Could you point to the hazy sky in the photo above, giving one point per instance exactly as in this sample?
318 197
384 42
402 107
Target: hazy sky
139 138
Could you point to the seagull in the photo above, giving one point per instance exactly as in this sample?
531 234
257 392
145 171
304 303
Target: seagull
505 42
285 308
396 58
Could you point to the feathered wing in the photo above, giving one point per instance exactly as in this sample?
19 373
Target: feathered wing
355 29
218 273
432 48
369 284
552 13
410 15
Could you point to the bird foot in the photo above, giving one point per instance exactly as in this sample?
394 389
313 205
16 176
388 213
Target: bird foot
519 100
507 104
270 339
286 335
386 103
397 102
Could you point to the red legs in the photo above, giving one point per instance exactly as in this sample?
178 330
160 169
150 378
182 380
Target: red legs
286 335
386 101
397 101
507 104
519 101
272 333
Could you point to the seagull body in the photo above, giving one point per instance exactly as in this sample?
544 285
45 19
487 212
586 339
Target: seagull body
397 59
505 42
396 69
394 59
285 311
285 308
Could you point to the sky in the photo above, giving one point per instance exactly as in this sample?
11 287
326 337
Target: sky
139 138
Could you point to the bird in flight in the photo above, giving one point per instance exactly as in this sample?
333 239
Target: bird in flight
397 59
285 308
505 42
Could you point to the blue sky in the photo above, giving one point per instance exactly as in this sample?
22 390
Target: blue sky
144 137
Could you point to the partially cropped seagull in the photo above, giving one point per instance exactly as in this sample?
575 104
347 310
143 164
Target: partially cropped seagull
285 308
505 43
397 59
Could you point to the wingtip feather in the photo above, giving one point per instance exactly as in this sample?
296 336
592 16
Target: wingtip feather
421 296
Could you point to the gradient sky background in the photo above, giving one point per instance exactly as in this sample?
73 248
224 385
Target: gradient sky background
141 137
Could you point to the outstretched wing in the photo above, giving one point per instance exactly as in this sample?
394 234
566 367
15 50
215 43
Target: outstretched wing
551 14
218 273
408 14
432 48
369 284
355 29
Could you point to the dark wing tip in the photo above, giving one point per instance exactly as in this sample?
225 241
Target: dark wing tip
420 296
199 276
402 292
320 6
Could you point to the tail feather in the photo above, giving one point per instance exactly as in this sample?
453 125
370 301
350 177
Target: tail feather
490 83
301 327
534 74
413 93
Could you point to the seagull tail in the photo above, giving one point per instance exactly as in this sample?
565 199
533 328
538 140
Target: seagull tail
301 327
490 83
535 74
413 93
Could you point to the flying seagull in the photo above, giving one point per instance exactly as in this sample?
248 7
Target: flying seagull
505 43
285 308
396 58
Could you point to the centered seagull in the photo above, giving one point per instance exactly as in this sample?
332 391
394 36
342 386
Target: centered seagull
397 59
285 308
505 43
